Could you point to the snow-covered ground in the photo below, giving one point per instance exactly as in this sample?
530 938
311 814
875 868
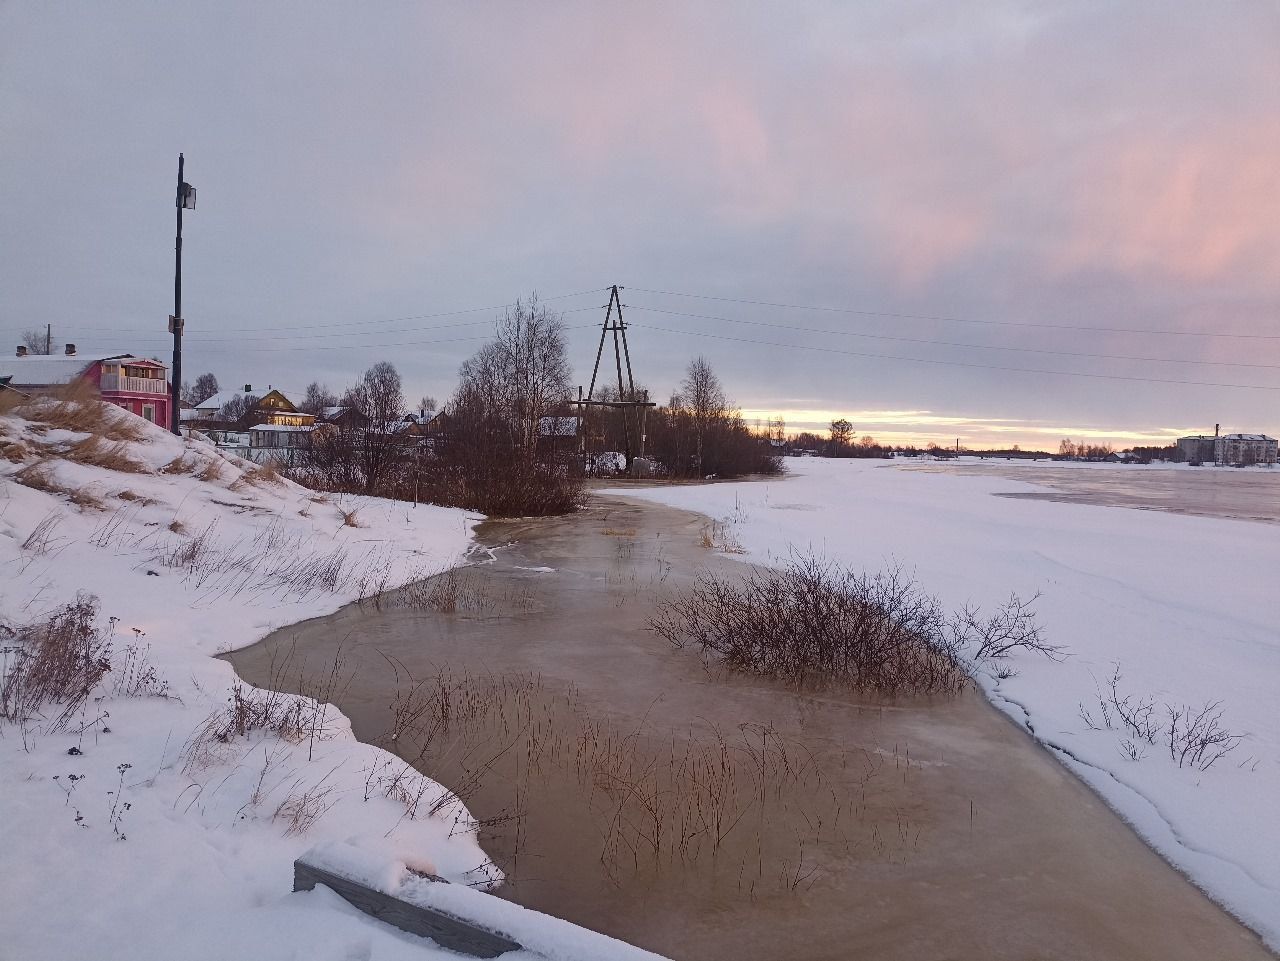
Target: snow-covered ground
121 839
1183 606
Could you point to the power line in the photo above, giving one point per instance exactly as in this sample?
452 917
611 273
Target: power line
352 347
366 323
957 363
948 343
959 320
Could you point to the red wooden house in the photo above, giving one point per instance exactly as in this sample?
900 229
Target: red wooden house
137 384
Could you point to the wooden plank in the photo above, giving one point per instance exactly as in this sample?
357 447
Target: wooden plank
454 933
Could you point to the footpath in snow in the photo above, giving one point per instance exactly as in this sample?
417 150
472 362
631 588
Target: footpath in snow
161 818
1182 607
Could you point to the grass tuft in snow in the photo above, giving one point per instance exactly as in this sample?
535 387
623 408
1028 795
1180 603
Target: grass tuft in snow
54 664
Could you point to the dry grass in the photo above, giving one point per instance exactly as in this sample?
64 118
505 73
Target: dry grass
350 518
14 451
79 408
718 536
182 464
96 452
10 400
265 473
177 527
619 532
209 471
39 476
56 663
750 803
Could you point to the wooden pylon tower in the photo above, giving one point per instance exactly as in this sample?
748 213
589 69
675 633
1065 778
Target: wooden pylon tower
633 409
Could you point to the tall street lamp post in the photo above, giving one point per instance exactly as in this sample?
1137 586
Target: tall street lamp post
186 200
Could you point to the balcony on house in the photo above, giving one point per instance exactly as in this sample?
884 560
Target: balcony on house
140 380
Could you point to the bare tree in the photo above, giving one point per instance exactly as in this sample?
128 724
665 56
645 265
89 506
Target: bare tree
206 386
317 398
704 396
380 398
521 374
39 342
841 436
237 407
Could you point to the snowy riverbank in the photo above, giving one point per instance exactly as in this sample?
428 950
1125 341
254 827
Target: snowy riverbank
123 837
1180 605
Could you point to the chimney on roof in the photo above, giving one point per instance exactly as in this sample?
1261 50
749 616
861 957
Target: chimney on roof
71 350
248 388
1215 429
22 351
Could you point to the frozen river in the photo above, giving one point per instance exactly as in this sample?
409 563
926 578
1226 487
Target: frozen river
1244 494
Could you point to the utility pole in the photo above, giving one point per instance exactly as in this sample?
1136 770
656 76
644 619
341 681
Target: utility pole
614 324
48 339
185 200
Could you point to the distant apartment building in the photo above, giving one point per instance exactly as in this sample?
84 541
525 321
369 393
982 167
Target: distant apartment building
1244 449
1197 449
1231 449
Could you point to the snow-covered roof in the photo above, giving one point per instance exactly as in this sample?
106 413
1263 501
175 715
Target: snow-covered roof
284 427
44 370
218 400
331 413
557 426
1247 437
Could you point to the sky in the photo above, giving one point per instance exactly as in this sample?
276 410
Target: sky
993 222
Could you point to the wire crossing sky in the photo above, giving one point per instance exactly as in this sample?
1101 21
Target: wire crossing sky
1008 222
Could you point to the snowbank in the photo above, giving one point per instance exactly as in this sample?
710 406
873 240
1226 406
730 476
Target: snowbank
1183 606
127 835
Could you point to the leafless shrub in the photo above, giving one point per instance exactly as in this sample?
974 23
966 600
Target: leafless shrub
350 518
1194 736
96 452
1011 628
811 621
56 663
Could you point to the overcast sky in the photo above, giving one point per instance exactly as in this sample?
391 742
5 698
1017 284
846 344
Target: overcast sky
1022 174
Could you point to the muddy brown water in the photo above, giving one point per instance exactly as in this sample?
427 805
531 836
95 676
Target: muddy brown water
933 828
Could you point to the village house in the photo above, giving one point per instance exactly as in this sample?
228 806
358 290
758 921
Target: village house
343 417
138 385
270 430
